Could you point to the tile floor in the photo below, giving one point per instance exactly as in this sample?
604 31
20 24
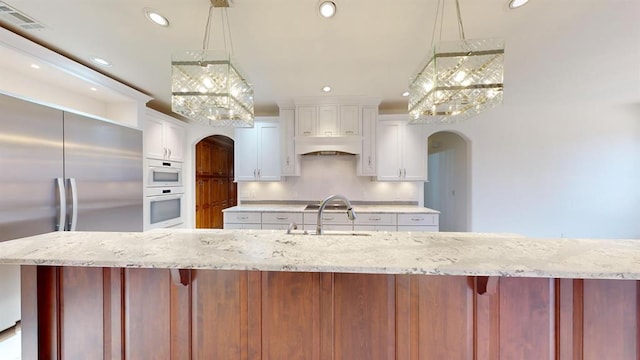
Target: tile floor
10 344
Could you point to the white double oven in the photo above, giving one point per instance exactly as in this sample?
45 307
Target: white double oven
164 194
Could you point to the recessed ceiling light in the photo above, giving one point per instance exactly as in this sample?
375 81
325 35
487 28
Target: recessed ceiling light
93 89
326 88
405 94
35 66
100 61
155 17
513 4
327 9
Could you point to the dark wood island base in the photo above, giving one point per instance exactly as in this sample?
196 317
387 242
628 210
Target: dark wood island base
134 313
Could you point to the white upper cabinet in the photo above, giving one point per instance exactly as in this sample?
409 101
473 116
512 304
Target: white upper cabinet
402 151
164 137
328 120
350 120
306 117
290 163
257 152
367 160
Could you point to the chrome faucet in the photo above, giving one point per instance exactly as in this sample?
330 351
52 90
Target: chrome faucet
292 226
350 213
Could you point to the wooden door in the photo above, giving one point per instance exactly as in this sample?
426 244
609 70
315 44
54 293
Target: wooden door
215 189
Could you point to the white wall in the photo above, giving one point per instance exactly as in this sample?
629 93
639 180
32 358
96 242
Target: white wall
322 176
448 189
556 170
561 156
195 133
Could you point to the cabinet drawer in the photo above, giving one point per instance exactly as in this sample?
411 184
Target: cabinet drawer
328 217
417 219
275 227
281 218
238 226
242 217
419 228
328 227
375 219
391 228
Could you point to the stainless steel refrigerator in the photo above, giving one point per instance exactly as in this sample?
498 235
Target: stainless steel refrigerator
61 171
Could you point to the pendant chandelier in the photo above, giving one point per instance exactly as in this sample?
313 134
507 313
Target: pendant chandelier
459 80
206 86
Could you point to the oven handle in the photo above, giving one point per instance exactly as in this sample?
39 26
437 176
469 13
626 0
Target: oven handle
165 169
162 197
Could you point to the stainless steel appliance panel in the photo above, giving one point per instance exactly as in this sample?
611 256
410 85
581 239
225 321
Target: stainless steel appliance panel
31 153
103 167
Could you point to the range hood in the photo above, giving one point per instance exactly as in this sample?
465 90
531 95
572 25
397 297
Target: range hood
328 145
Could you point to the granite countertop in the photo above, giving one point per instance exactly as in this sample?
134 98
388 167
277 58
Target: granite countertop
396 209
376 252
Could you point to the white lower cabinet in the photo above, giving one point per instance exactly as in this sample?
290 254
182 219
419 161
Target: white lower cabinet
280 220
242 220
375 222
418 222
331 221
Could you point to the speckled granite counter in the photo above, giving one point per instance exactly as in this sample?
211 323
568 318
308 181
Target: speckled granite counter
397 209
383 252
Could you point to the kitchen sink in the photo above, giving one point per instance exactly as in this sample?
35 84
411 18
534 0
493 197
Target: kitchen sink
327 207
328 233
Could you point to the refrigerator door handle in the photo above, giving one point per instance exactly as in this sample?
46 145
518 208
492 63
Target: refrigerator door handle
62 205
74 204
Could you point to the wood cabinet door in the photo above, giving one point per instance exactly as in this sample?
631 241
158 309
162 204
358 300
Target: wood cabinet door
364 316
203 158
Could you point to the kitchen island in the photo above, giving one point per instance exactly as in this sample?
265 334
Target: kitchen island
262 294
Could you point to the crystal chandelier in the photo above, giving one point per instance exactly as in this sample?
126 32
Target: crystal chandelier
459 80
206 86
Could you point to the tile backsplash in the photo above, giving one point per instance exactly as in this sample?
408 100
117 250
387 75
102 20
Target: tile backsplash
322 176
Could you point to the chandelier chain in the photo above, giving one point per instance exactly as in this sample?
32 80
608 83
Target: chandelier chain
205 41
435 24
226 18
439 20
460 26
226 31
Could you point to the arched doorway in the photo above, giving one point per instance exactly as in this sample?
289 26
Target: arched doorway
448 189
215 189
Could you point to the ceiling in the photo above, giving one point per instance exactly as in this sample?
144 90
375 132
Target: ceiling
286 50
